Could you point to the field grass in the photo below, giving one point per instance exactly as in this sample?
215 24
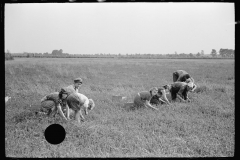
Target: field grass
202 128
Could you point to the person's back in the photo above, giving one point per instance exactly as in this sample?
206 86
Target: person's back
145 95
82 98
52 96
71 88
76 100
176 86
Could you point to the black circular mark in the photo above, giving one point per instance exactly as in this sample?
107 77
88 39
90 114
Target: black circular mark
55 134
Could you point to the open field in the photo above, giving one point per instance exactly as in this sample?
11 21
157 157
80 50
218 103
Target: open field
203 128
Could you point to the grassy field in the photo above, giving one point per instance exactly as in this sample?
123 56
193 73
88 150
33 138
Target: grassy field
202 128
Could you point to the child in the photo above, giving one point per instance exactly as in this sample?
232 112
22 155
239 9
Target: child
183 76
143 98
75 87
161 96
77 102
180 90
51 103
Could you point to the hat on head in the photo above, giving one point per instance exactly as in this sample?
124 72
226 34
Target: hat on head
78 80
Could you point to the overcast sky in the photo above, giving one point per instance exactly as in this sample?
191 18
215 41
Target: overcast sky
89 28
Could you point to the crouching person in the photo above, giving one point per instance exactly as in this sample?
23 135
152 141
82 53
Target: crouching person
180 90
78 102
161 97
51 104
142 99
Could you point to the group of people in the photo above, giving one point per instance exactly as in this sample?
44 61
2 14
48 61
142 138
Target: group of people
182 84
67 101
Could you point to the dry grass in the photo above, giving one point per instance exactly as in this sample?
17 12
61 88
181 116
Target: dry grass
203 128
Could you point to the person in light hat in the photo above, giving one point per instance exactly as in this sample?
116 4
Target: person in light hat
183 76
180 90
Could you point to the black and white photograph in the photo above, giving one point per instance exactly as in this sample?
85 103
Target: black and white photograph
128 80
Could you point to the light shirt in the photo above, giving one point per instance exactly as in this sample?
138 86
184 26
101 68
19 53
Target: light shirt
71 88
83 100
145 95
52 96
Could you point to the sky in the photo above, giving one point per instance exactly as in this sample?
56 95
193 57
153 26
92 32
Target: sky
126 28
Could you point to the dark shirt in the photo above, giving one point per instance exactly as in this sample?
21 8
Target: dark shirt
178 87
182 75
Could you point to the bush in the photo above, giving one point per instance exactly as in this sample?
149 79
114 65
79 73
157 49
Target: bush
8 56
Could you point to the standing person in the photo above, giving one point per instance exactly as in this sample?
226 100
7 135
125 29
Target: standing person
183 76
77 102
143 98
51 103
161 96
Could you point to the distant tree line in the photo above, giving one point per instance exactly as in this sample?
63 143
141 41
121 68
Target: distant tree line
223 53
8 55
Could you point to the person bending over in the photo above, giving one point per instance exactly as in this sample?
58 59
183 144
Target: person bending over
52 103
143 98
180 90
78 102
183 76
161 97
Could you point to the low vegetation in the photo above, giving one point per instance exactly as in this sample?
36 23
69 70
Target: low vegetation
202 128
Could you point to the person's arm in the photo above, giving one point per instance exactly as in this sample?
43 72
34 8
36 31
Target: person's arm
61 112
180 98
44 99
147 103
85 110
179 94
85 107
194 87
186 97
68 112
165 100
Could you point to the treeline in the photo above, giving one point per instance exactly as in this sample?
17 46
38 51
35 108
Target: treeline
223 53
8 56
